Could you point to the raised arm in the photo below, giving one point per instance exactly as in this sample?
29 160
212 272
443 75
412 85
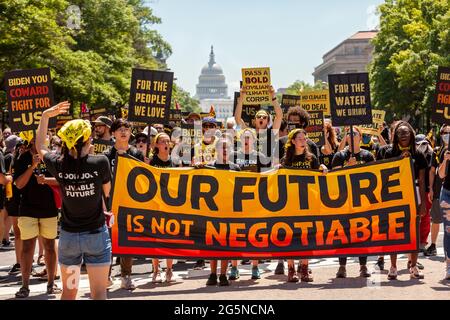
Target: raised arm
278 111
238 111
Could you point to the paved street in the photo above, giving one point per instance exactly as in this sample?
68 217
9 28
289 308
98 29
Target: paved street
190 284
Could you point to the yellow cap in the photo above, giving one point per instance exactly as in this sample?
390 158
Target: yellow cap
74 130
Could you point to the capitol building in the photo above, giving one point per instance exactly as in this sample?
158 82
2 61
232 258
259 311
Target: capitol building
212 89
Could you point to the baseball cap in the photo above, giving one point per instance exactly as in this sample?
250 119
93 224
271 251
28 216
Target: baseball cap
104 120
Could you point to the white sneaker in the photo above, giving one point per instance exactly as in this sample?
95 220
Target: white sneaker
415 273
392 275
156 278
110 282
126 283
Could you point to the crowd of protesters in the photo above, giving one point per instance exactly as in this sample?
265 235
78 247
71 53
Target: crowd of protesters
35 169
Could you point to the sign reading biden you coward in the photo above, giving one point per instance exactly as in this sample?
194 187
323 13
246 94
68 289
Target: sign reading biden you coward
350 99
150 96
256 83
29 93
187 213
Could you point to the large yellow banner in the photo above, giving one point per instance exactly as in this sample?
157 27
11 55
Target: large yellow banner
364 210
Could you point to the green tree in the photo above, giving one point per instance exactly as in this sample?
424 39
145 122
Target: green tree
414 39
299 86
186 102
90 62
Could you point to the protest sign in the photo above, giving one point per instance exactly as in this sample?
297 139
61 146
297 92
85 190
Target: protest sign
315 100
350 99
315 128
374 128
441 113
100 145
288 100
150 96
204 213
256 83
29 93
248 111
175 117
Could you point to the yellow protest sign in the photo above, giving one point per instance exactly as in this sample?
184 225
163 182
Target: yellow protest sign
378 119
315 100
256 83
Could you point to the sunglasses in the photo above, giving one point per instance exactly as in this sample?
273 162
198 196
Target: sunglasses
261 117
141 140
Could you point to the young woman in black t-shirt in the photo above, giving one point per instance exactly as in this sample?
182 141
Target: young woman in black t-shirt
85 179
297 155
403 145
161 159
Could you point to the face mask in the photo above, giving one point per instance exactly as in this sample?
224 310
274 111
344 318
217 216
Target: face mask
366 139
445 138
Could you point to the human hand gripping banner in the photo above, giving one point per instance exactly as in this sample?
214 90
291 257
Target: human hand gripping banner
206 213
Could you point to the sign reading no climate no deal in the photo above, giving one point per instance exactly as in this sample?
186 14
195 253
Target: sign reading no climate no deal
350 99
150 96
29 93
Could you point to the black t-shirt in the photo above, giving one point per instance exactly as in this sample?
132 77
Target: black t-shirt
327 160
300 162
446 182
371 147
3 171
81 190
132 151
36 200
11 204
250 161
419 160
435 162
342 157
157 162
228 166
312 147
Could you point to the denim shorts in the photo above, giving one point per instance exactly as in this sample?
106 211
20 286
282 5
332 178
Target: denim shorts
91 247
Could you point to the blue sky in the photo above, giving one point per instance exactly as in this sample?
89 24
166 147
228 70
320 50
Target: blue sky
288 36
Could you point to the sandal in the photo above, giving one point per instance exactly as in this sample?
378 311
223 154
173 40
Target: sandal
53 289
23 293
41 274
41 260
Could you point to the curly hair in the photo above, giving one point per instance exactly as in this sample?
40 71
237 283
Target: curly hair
302 113
290 148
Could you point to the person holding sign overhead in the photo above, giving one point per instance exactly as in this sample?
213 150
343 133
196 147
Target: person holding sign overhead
347 158
298 156
85 179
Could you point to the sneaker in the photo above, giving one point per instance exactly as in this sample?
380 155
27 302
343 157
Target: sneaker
363 272
223 281
431 251
110 282
212 280
234 273
255 273
169 275
380 264
156 278
6 244
415 273
305 276
280 268
14 269
199 265
126 283
291 275
342 272
245 262
392 275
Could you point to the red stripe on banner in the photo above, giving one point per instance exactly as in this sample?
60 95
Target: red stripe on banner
145 239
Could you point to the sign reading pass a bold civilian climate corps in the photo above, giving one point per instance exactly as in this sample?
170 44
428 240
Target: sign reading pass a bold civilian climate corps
195 213
350 99
150 96
29 93
256 83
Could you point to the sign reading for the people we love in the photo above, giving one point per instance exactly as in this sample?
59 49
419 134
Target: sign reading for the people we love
150 96
256 83
350 99
29 93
